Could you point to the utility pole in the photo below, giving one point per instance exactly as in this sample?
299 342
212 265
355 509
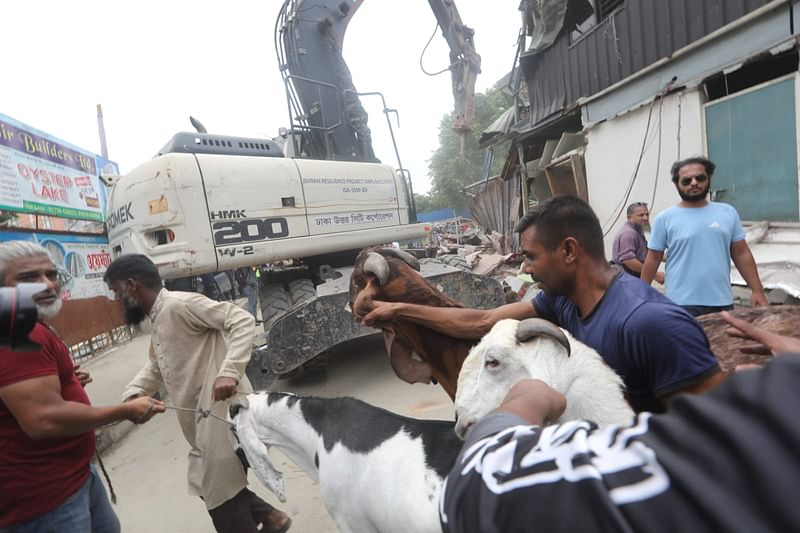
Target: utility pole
101 130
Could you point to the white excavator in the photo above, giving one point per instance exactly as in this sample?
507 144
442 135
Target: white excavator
304 203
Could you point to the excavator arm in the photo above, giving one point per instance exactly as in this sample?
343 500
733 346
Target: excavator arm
324 106
323 103
465 65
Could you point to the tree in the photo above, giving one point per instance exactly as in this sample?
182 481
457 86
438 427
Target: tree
448 172
424 203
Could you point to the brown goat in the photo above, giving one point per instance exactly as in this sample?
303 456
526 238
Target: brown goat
440 356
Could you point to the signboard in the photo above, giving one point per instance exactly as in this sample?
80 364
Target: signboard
81 261
44 175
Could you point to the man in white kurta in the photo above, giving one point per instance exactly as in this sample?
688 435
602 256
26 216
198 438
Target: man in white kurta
199 350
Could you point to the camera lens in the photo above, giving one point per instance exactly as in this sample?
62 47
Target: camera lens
18 316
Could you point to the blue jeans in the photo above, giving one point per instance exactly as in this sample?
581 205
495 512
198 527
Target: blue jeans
86 511
251 291
699 310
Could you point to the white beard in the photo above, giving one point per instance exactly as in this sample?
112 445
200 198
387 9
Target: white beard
49 311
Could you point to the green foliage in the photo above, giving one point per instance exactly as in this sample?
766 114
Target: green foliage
448 172
424 203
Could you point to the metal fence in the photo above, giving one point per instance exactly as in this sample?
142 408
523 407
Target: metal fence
85 350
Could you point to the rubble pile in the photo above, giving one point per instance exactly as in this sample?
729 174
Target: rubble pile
463 243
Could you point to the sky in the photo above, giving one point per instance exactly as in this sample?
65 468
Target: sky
151 64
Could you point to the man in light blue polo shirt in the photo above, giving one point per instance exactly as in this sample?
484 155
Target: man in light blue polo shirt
702 238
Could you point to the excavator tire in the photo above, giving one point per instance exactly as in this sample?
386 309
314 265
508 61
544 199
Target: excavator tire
275 302
302 290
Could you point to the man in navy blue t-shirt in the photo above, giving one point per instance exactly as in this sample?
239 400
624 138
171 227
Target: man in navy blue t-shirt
657 348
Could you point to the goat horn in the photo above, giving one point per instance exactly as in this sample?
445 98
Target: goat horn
537 327
377 266
406 257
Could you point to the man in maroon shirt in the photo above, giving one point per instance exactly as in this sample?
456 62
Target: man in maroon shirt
46 421
630 247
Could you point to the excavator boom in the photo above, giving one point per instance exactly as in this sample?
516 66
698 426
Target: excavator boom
324 106
465 65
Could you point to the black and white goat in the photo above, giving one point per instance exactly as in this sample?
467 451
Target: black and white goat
377 471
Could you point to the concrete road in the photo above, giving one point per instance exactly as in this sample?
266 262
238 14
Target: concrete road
148 468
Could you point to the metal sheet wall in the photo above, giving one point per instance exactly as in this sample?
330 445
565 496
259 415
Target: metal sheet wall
635 36
496 208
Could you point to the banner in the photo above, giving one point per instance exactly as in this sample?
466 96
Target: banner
81 261
44 175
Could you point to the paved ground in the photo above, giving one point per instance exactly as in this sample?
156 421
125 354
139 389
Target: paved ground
148 466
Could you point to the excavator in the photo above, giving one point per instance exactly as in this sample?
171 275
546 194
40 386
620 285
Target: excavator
324 105
303 203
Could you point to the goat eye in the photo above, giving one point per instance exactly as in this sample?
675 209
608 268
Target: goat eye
492 363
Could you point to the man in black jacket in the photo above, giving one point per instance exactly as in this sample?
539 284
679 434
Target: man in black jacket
723 461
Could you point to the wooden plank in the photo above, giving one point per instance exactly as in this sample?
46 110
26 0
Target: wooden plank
547 154
579 177
568 143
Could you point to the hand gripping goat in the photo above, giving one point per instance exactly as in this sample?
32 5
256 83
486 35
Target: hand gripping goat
417 354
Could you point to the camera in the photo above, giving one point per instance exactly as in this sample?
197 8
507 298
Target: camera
18 316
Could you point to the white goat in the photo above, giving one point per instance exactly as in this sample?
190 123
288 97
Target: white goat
377 471
535 348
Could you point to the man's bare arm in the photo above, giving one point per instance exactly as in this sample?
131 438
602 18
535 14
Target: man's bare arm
462 323
696 388
41 412
767 341
636 266
650 267
746 265
633 264
534 401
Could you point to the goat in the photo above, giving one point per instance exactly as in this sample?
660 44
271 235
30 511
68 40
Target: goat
377 471
780 319
392 275
535 348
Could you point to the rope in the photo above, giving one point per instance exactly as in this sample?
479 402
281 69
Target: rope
612 21
105 475
203 413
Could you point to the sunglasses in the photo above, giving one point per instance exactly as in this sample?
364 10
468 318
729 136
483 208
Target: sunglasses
700 178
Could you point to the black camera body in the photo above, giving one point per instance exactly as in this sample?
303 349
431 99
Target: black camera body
18 316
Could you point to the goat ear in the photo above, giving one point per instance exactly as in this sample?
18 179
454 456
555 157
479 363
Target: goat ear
404 365
537 327
376 265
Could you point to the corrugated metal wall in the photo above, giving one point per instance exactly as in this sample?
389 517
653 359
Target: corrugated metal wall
496 208
637 35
